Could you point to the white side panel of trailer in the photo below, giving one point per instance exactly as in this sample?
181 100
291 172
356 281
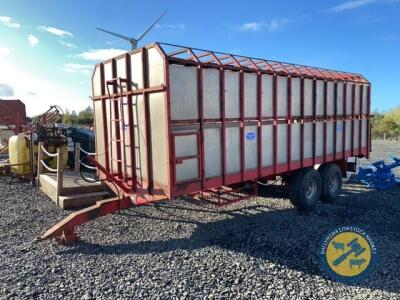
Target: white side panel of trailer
136 74
212 152
296 97
183 93
99 131
295 151
96 82
365 100
340 98
156 68
339 136
308 97
330 138
121 67
330 110
349 99
267 145
211 94
232 103
233 152
250 95
356 138
267 96
319 139
308 140
108 75
320 98
357 100
282 96
127 162
282 147
140 137
187 170
364 133
159 138
348 135
251 147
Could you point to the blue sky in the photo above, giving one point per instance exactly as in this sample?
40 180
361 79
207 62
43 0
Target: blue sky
47 49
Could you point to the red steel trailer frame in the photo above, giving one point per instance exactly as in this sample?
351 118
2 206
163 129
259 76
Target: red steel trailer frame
131 193
12 114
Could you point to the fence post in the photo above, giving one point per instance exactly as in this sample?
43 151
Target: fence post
59 174
77 155
39 162
32 158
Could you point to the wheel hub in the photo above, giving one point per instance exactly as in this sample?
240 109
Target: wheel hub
333 183
311 189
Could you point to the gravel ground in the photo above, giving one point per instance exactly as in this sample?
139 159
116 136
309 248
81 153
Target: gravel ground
180 249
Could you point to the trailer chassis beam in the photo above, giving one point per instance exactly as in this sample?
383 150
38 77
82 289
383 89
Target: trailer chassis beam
64 231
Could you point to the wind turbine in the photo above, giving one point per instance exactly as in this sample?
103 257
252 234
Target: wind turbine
133 41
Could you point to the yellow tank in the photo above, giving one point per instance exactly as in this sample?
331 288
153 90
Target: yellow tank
64 153
18 149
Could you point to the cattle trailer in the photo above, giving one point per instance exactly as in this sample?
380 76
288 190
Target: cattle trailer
173 120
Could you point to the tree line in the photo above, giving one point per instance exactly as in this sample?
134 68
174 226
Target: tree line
84 117
386 125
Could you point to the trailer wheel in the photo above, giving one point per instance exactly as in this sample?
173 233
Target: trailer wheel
331 182
305 189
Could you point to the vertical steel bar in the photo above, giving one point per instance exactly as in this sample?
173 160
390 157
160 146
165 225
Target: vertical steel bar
335 99
259 115
275 125
344 118
289 121
368 137
223 123
117 119
302 109
131 122
360 120
314 99
147 122
325 119
242 126
353 105
200 141
105 121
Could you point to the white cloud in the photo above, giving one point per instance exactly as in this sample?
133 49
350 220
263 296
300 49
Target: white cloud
32 40
272 25
100 54
8 21
6 90
73 68
4 51
66 44
178 26
37 91
349 5
55 31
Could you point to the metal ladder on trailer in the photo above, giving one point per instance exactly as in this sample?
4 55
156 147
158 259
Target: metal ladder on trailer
117 124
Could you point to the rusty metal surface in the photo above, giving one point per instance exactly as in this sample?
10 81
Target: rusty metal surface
12 114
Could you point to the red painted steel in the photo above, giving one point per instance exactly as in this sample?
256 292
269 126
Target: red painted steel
129 188
12 114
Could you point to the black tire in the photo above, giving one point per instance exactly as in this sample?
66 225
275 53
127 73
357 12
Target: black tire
305 189
331 182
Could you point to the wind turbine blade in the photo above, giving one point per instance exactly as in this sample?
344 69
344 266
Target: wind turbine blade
151 26
115 34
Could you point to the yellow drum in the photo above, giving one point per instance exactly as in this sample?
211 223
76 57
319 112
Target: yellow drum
18 148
